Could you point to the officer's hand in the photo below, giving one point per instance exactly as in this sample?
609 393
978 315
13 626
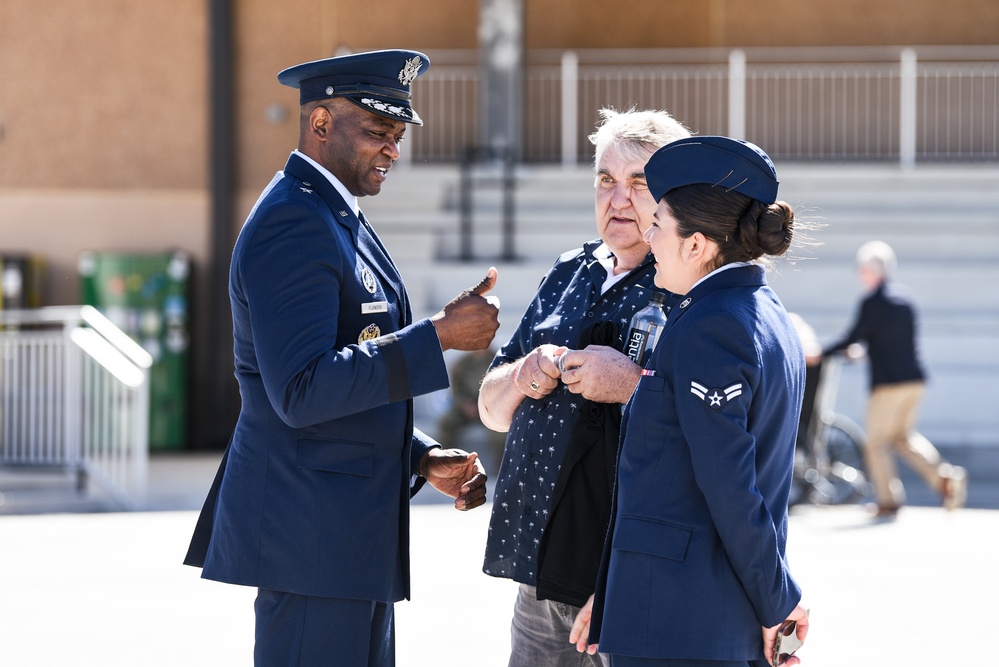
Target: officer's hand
456 474
470 320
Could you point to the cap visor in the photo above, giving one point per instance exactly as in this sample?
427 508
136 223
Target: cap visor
386 108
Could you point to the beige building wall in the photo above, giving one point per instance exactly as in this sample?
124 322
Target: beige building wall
104 104
577 24
102 130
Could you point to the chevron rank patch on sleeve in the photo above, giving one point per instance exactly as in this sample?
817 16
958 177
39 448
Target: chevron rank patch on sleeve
715 399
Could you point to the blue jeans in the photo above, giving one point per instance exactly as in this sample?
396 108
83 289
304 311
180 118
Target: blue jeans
539 634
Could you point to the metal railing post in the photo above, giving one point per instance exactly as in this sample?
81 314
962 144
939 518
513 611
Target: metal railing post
140 434
907 110
570 108
737 94
73 404
509 211
465 185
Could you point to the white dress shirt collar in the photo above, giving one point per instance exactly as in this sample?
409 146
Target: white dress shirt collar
605 256
347 197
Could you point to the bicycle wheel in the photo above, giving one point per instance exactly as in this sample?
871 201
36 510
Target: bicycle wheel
846 464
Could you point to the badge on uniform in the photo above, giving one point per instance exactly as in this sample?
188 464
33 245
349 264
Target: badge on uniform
716 399
368 278
369 332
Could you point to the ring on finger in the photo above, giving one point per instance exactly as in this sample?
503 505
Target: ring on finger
534 385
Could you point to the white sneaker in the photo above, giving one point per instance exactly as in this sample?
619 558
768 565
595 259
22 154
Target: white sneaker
955 488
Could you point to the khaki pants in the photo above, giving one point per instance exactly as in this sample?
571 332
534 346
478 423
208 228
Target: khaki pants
891 421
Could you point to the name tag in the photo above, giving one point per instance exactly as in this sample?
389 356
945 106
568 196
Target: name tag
374 307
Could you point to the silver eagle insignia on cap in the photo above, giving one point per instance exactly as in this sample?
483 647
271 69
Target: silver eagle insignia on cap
410 70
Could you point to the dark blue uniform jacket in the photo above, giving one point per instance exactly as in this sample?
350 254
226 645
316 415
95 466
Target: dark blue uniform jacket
313 497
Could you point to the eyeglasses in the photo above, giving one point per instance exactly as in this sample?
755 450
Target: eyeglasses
787 642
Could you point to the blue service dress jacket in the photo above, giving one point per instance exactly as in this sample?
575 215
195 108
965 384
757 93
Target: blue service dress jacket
313 496
695 564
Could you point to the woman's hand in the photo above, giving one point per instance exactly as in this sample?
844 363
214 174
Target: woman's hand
581 629
800 617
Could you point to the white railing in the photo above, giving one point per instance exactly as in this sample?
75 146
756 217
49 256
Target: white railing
74 395
888 104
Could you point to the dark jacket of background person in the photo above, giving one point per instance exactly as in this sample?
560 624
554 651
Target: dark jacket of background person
887 323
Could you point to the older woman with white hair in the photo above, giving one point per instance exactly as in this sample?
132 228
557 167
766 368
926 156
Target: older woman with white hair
886 323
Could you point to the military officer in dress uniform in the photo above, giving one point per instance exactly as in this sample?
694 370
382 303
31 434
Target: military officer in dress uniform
311 502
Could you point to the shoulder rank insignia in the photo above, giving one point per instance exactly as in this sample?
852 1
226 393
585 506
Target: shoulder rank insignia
715 399
369 332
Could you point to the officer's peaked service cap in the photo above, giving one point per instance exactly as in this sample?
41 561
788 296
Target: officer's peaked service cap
377 81
722 162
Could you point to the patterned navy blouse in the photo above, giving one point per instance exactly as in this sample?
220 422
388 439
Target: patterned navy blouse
567 302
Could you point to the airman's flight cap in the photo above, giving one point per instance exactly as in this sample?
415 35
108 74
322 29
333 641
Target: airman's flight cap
377 81
719 161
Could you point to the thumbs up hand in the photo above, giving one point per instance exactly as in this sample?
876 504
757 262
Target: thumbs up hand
470 320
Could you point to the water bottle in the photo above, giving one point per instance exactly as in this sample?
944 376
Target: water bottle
644 330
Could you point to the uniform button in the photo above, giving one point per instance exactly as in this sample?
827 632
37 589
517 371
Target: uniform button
527 510
589 313
530 456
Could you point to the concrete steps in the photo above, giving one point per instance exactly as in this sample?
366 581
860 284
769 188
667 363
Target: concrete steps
943 222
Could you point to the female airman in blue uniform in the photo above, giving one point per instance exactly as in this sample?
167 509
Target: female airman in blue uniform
694 570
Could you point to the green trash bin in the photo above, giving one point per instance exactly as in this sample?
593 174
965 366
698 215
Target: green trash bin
147 297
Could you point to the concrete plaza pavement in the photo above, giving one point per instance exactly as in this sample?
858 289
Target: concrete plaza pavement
108 589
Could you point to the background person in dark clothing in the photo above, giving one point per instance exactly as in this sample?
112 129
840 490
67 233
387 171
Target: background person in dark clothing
887 324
